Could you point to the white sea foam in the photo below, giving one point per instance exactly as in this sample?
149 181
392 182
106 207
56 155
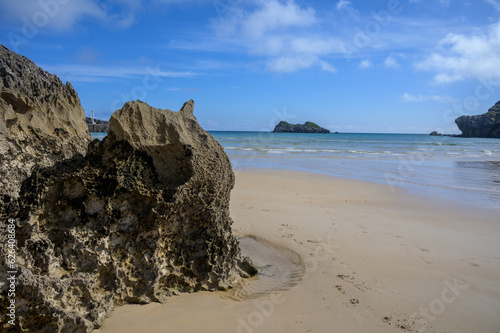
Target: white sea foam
412 161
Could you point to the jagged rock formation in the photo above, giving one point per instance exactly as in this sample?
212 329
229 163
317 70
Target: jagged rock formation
143 215
41 122
486 125
97 125
307 127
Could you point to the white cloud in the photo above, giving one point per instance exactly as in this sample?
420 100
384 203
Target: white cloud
494 3
88 73
63 16
365 64
190 90
314 44
269 16
347 6
294 63
410 98
276 15
343 4
281 32
460 57
391 62
327 67
420 98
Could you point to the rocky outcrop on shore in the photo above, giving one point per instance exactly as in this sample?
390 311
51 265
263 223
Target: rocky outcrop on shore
41 123
135 218
486 125
307 127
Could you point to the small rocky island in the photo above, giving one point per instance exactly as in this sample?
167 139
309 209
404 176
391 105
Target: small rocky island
307 127
486 125
135 218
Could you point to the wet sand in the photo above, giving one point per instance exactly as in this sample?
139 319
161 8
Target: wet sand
338 255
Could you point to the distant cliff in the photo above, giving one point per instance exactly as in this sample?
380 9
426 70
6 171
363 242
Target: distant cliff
486 125
307 127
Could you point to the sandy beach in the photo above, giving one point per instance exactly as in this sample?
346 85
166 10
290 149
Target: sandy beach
340 255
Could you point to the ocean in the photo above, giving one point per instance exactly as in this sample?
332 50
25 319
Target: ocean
464 170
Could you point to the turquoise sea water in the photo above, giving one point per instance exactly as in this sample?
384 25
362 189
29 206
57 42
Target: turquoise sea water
466 170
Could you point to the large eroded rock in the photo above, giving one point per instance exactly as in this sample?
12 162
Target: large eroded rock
41 122
143 216
134 218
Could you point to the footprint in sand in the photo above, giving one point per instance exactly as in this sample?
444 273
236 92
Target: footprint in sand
426 261
402 323
340 288
354 301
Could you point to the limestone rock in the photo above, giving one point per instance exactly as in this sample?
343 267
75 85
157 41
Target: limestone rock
41 122
144 215
486 125
135 218
307 127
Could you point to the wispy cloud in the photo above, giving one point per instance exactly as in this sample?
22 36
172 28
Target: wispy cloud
460 57
294 63
190 90
347 6
288 36
278 31
343 4
494 3
365 64
63 15
268 16
421 98
88 73
391 62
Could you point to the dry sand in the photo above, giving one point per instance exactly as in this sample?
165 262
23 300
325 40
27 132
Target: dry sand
343 256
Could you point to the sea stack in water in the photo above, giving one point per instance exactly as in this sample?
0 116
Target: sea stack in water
486 125
144 214
307 127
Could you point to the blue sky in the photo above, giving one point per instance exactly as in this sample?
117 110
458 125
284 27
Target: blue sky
409 66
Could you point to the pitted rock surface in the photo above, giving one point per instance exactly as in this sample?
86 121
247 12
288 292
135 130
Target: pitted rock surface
41 123
135 218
